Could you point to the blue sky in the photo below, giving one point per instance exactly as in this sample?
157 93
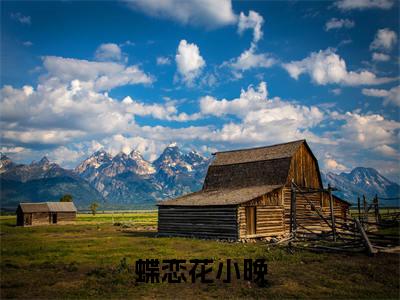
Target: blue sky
79 76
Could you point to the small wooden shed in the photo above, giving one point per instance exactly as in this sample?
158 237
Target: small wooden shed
43 213
249 194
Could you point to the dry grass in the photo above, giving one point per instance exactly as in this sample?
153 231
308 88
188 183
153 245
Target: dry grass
84 261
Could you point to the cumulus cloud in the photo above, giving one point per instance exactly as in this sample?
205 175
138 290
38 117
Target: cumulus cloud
363 4
189 61
261 119
101 75
332 165
335 23
384 39
387 151
380 57
58 112
250 59
26 20
162 60
253 21
391 96
367 131
108 52
327 67
208 13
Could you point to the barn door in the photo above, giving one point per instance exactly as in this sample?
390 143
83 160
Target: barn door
251 219
27 219
54 218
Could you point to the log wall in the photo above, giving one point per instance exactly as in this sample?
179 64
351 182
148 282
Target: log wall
198 221
308 218
40 218
304 169
269 221
63 217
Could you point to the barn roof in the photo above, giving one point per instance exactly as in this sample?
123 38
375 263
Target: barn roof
239 176
34 207
48 207
62 206
221 197
286 150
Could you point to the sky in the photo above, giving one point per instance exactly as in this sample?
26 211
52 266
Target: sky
210 75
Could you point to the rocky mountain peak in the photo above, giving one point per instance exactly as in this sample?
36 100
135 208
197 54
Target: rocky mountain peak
362 181
5 163
44 161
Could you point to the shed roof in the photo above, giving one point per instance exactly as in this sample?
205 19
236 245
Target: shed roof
62 206
285 150
221 196
48 207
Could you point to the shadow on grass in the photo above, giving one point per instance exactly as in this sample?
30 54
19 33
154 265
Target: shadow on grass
149 234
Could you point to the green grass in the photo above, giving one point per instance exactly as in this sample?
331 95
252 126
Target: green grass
84 261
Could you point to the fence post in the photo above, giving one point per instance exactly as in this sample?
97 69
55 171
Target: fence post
359 207
332 212
376 204
293 225
365 213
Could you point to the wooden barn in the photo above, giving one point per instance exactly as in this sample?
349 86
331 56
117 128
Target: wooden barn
255 193
45 213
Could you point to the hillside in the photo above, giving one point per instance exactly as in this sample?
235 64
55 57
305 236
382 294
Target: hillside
130 181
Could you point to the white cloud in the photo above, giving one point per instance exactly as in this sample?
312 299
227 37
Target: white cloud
332 165
263 120
380 56
391 96
127 43
208 13
162 112
108 52
27 43
26 20
189 61
58 112
101 75
387 151
335 23
66 156
385 39
367 131
336 91
253 21
162 60
249 59
363 4
327 67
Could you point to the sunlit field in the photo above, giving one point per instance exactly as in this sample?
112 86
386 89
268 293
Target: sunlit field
95 258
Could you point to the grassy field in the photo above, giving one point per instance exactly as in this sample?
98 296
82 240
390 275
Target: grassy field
86 260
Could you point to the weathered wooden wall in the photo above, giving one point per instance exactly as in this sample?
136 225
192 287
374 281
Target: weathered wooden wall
40 218
198 221
270 221
269 216
66 217
308 218
304 169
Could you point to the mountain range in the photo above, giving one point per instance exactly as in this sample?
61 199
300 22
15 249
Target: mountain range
130 181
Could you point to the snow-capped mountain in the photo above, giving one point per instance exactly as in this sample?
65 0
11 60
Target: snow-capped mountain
180 172
130 179
36 170
5 163
42 181
362 181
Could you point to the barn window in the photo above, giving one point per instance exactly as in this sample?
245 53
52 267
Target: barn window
251 219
